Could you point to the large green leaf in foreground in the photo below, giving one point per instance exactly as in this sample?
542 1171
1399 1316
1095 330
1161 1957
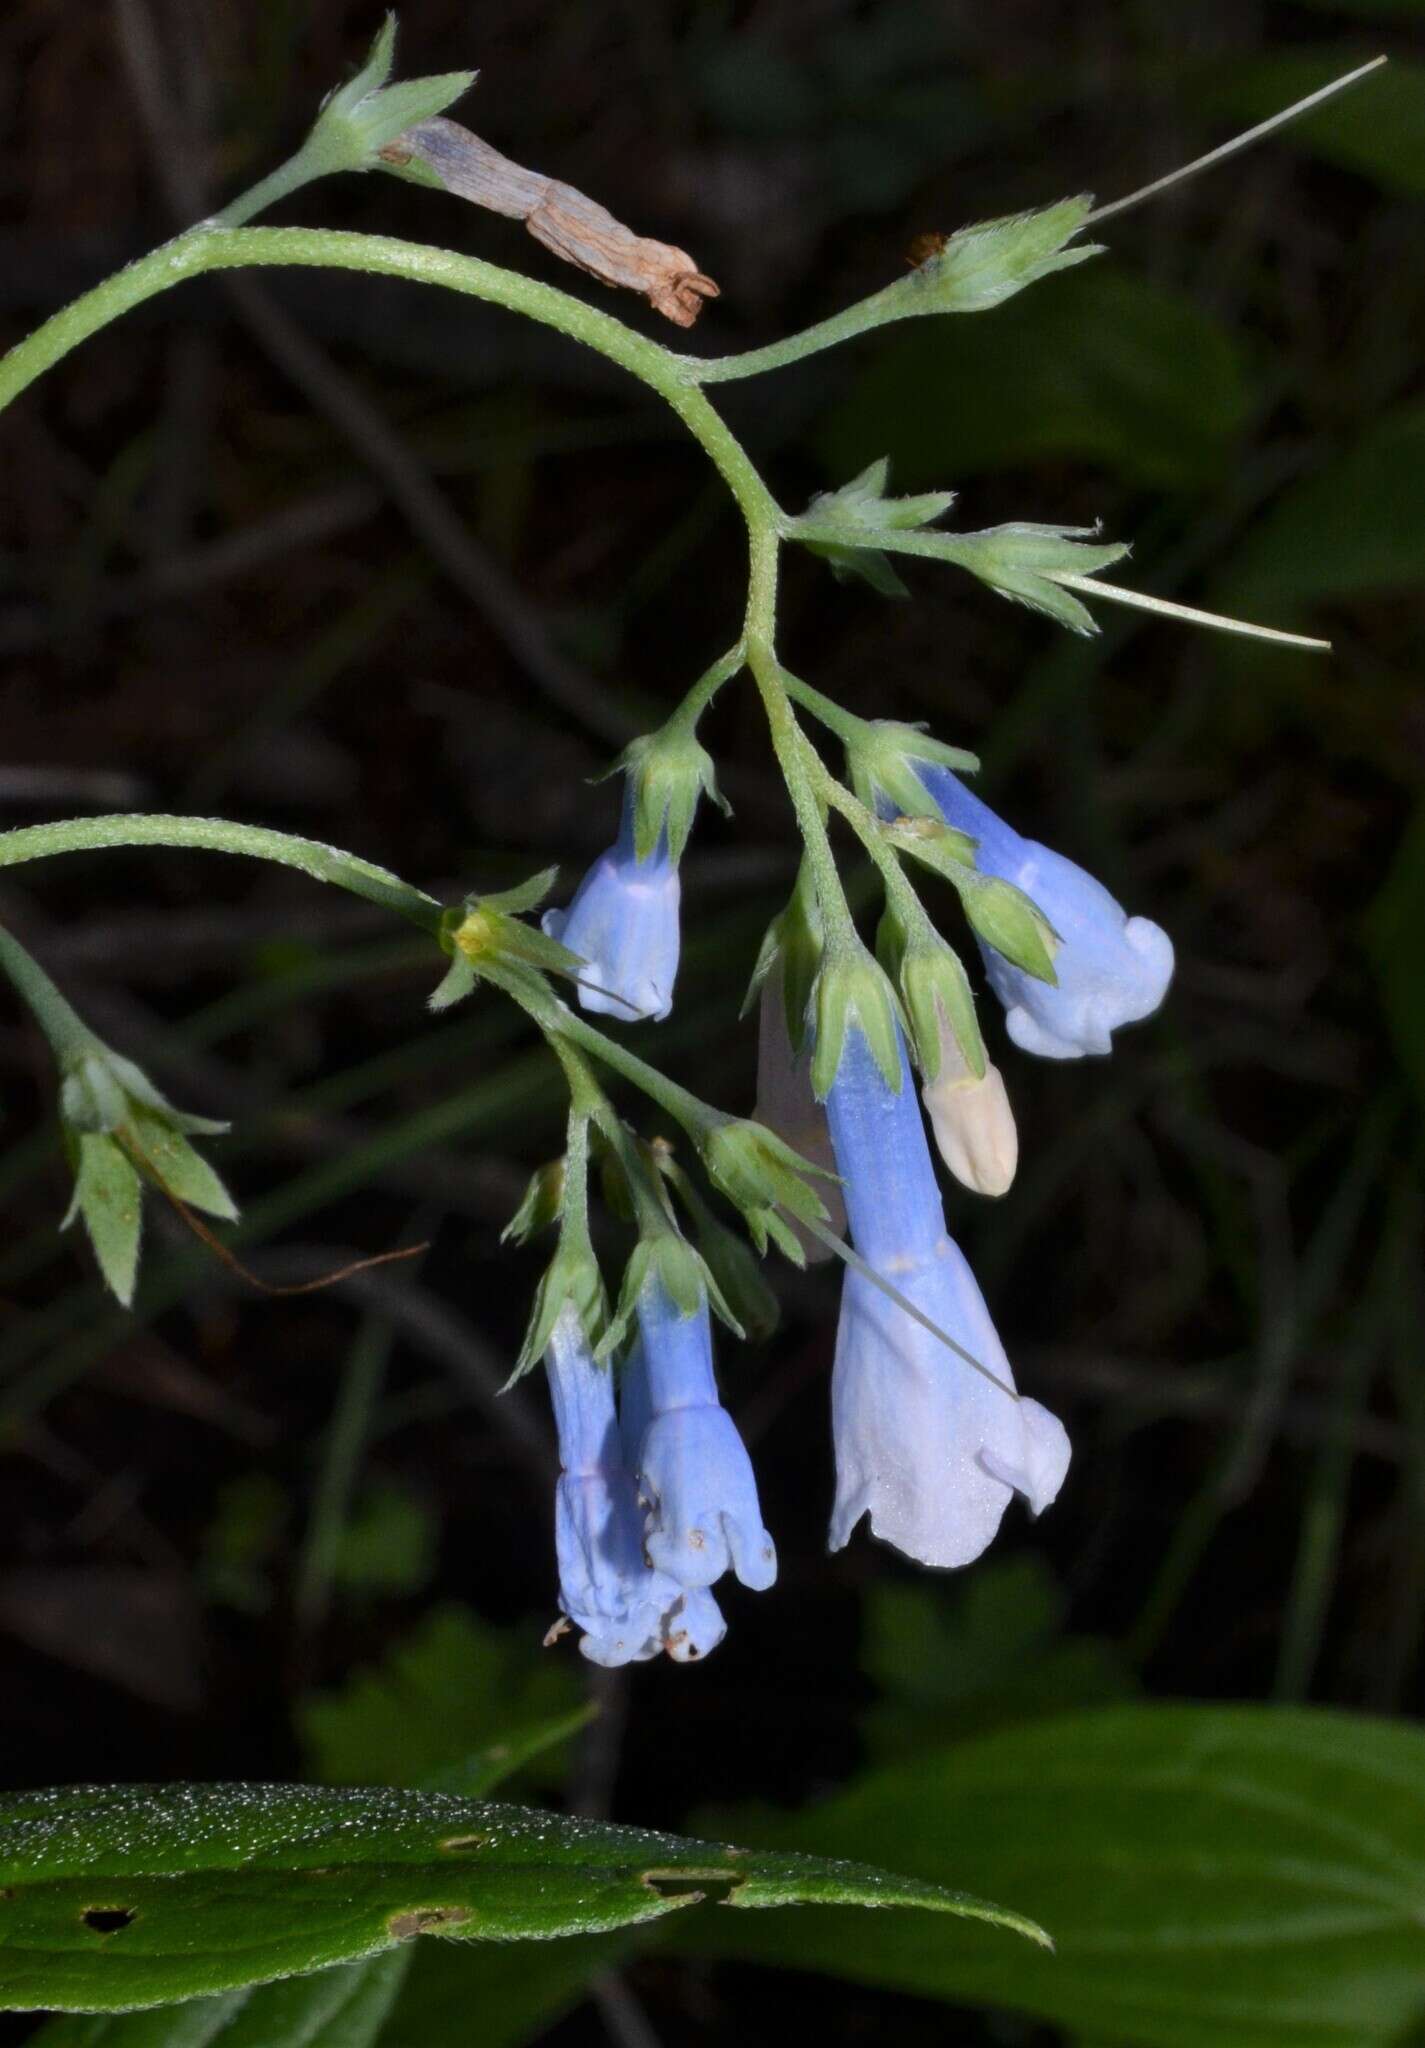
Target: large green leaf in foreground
122 1896
1216 1877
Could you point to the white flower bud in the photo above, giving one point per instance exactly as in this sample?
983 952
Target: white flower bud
972 1120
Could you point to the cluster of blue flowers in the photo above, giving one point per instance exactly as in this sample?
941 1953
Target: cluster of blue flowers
657 1499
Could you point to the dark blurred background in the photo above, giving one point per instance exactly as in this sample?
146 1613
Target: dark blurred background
394 571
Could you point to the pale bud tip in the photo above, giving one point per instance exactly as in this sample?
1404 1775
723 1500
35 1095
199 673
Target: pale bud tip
974 1129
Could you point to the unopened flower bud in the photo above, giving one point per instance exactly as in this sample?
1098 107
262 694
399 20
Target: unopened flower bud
972 1120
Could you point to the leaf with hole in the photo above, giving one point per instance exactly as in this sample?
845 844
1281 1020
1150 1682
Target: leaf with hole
126 1896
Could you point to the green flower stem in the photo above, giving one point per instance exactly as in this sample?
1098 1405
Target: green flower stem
570 1037
849 729
844 326
674 378
788 741
574 1214
219 835
69 1036
308 163
899 892
696 702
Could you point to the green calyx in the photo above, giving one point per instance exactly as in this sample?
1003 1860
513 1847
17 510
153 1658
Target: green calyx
367 114
762 1176
1022 560
934 844
853 992
486 936
881 761
863 510
981 266
668 772
664 1259
541 1206
120 1131
935 991
793 944
999 913
728 1256
571 1280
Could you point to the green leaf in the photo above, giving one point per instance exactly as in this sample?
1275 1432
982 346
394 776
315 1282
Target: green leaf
971 1656
113 1897
349 2006
1090 371
484 1769
1378 128
388 1542
1240 1876
342 2008
454 1686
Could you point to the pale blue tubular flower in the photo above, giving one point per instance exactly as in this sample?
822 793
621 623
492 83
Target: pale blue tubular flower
623 923
928 1447
626 1611
1112 969
702 1516
693 1624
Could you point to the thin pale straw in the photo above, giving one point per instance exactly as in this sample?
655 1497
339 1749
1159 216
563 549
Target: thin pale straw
857 1264
1140 599
1243 141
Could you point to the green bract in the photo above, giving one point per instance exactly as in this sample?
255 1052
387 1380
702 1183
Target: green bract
931 981
761 1175
663 1258
118 1131
1022 560
729 1258
981 266
541 1205
1002 915
667 772
863 508
571 1279
852 992
794 942
487 937
881 761
362 117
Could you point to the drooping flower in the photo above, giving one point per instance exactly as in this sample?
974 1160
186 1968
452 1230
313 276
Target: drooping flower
623 924
1111 969
693 1624
927 1446
627 1611
701 1512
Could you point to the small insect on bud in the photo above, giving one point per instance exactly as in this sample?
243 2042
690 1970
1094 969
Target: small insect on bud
923 247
